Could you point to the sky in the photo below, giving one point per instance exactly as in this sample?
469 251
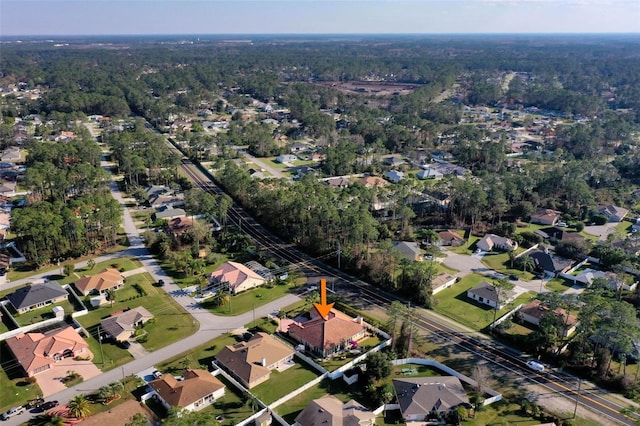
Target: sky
135 17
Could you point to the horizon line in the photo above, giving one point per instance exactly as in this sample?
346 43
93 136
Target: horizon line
326 34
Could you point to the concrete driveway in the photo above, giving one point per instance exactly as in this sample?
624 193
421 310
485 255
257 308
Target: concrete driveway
601 231
50 383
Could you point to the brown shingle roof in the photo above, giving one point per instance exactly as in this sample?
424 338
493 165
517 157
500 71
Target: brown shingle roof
330 411
245 359
106 279
196 385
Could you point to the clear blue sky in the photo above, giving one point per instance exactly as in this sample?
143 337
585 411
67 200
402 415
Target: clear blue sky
107 17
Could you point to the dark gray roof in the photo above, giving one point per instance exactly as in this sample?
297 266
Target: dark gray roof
550 262
421 395
486 290
36 293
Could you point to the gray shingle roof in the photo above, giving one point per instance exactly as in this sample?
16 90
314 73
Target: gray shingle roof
419 396
36 293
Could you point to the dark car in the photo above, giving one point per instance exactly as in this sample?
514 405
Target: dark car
513 277
160 283
49 405
124 344
34 403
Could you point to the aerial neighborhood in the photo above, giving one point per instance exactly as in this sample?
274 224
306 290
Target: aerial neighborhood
319 232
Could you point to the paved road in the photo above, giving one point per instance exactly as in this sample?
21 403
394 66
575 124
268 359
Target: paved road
210 326
263 165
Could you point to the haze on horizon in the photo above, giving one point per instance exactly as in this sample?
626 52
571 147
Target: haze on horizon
167 17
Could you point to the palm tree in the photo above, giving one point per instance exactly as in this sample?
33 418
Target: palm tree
47 420
115 388
79 406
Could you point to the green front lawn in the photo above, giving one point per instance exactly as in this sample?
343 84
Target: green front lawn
185 281
171 322
282 383
247 300
14 389
199 357
559 285
501 263
454 303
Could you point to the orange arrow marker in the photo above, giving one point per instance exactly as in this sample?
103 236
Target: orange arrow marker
323 308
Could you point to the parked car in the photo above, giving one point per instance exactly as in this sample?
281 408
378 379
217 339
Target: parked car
160 283
49 405
12 412
156 374
513 277
562 224
34 403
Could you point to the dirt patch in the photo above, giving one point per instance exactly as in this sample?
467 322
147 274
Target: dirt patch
372 88
120 415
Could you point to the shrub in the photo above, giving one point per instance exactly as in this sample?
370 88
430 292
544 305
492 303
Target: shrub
579 226
599 219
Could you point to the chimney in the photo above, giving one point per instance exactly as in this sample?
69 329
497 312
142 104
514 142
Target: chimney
263 362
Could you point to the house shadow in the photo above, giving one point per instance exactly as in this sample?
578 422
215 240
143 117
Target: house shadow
464 298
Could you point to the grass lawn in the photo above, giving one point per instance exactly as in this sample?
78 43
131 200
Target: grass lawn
199 357
500 263
246 301
231 406
559 285
466 248
338 388
454 303
441 268
282 383
338 361
43 313
183 281
22 271
171 322
14 390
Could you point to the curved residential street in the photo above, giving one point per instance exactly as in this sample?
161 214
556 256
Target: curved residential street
210 326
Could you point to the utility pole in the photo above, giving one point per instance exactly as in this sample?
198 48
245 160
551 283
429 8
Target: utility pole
339 253
575 409
100 340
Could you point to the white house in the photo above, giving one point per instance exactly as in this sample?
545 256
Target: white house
493 241
486 293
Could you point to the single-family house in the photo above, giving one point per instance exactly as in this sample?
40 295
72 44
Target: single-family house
237 276
636 226
286 158
429 173
614 282
109 279
38 352
166 200
450 238
338 182
487 293
409 249
373 182
179 225
429 397
121 325
198 389
545 217
394 176
495 242
325 337
11 153
550 264
534 312
392 161
613 213
555 234
442 281
168 213
251 362
7 188
156 189
298 147
330 411
36 296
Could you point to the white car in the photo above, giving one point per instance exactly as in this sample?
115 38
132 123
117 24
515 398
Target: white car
12 412
562 224
536 366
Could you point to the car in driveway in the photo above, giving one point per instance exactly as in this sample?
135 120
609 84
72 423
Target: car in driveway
156 374
34 403
513 277
12 412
